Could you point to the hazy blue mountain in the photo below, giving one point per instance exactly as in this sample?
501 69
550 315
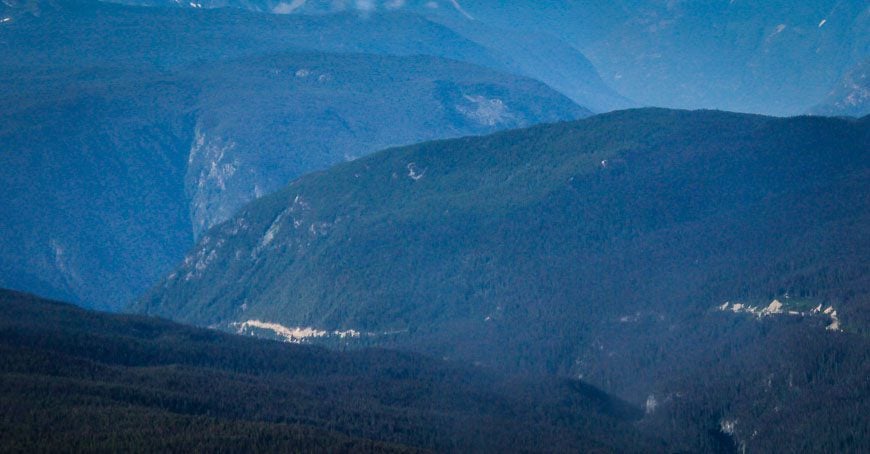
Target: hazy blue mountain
530 53
128 131
851 95
78 380
371 178
779 57
93 164
776 57
620 248
542 57
183 37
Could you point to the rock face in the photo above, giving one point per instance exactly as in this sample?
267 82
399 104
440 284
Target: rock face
211 165
851 95
777 308
128 132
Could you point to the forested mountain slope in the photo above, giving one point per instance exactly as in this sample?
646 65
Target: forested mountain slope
618 248
77 380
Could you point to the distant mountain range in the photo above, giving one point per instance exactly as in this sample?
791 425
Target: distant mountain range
78 380
129 131
775 57
780 57
442 200
524 52
620 248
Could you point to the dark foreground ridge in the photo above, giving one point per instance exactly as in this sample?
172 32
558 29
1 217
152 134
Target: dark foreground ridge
72 379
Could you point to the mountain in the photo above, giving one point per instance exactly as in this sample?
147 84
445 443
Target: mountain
780 57
79 380
851 95
651 252
266 120
540 56
129 131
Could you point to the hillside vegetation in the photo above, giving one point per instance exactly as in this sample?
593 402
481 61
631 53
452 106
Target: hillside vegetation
85 381
605 248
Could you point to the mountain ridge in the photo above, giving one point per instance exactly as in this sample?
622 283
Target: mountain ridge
124 147
779 58
526 53
615 248
130 382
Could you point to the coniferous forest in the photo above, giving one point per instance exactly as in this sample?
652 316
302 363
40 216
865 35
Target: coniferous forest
435 226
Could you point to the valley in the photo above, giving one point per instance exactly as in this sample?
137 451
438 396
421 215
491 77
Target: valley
434 226
153 141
